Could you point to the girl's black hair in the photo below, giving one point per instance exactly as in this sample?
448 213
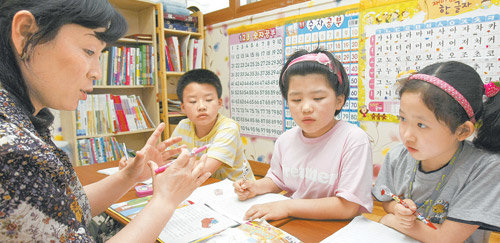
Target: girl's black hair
446 109
50 16
310 67
201 76
488 134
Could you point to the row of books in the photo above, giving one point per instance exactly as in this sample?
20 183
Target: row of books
184 54
174 106
107 113
99 150
127 65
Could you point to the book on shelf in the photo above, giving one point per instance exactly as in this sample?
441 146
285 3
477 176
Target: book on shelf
198 54
175 7
168 59
107 113
98 150
179 17
196 218
128 65
183 51
173 49
180 25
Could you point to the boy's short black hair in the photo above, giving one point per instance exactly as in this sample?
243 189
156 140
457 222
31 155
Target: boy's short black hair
201 76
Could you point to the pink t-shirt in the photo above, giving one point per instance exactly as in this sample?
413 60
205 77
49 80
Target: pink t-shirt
339 163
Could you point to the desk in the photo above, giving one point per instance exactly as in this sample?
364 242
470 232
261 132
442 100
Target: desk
313 230
88 174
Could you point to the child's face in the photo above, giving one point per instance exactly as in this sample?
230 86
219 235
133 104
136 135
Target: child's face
201 104
313 103
426 138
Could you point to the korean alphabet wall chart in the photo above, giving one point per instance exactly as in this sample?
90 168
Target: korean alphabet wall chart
399 37
376 41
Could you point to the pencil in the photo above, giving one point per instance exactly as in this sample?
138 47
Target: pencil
385 190
125 151
194 152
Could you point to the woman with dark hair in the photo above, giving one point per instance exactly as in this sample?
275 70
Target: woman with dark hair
49 55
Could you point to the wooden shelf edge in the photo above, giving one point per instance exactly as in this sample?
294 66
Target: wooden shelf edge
116 134
176 115
123 86
181 32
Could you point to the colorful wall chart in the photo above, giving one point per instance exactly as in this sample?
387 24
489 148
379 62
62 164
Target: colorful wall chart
256 58
334 30
399 37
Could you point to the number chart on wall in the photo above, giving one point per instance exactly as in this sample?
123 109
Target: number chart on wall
336 31
256 58
411 35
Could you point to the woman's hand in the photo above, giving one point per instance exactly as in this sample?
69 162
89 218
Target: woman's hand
136 168
180 179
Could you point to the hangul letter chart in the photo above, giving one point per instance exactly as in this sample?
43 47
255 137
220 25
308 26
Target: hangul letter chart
256 58
337 32
399 38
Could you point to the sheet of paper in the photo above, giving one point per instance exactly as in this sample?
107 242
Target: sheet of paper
193 222
221 197
361 229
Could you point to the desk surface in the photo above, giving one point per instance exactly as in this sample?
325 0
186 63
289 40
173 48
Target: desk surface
88 174
305 230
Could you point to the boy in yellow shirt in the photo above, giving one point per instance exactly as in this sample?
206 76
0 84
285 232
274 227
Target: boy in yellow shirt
200 93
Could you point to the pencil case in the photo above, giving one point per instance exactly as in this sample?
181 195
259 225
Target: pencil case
144 190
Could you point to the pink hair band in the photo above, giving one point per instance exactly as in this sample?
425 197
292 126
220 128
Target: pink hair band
320 58
448 89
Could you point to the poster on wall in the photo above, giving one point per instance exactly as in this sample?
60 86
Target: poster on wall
333 30
256 58
402 36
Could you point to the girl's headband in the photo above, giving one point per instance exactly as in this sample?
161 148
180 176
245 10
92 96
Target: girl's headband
320 58
448 89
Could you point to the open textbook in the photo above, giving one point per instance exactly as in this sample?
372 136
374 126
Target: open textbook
361 229
209 210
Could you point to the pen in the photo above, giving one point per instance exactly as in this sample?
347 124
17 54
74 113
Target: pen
125 150
194 152
385 190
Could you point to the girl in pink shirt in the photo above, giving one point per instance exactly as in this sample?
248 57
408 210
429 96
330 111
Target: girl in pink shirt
324 165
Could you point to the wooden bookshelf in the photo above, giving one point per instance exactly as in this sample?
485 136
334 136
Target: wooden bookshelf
141 18
168 79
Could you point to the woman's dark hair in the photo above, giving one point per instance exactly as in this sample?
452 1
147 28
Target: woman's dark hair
201 76
50 16
311 67
446 109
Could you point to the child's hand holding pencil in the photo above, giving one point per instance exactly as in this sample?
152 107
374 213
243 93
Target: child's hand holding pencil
244 189
406 211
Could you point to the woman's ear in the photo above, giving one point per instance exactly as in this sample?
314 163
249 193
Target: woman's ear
23 27
465 130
